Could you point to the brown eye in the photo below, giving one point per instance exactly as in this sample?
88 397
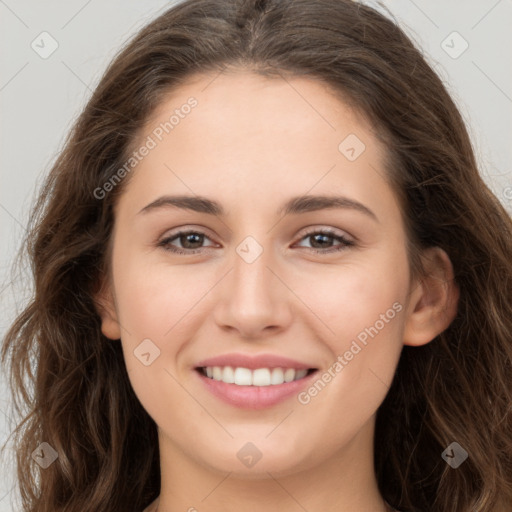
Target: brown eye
321 241
190 241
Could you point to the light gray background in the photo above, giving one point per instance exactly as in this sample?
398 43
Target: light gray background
40 98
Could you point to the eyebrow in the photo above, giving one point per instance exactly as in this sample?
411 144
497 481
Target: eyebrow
295 205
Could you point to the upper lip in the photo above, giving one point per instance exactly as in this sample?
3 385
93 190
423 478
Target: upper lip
253 361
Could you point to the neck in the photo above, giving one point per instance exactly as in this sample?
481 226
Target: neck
343 482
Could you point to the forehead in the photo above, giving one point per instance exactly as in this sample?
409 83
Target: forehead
260 136
238 95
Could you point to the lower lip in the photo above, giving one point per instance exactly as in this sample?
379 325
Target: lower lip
254 397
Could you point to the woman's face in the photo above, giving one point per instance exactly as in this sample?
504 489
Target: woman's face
257 278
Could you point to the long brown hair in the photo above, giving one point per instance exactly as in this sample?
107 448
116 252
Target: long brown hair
70 383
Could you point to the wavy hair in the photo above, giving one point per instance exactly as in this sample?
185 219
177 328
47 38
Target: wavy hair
69 382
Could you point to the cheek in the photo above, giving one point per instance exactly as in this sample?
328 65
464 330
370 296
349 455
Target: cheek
153 299
160 309
362 306
352 296
152 310
365 348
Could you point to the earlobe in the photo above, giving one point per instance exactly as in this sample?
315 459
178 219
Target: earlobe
105 306
433 300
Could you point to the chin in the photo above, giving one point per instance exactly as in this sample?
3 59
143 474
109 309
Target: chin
253 464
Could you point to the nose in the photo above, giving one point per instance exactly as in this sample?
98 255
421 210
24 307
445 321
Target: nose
254 300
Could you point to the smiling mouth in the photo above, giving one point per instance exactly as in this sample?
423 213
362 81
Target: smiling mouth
258 377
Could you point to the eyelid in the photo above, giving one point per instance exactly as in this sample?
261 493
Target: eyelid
315 228
345 240
327 229
171 233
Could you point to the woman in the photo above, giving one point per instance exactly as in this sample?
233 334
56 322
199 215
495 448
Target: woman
251 371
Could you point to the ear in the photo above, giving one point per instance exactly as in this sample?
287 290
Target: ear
106 308
433 300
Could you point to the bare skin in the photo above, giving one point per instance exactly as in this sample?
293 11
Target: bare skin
251 144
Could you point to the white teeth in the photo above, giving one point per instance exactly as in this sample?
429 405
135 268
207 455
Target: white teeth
289 374
277 376
228 375
243 377
258 377
261 377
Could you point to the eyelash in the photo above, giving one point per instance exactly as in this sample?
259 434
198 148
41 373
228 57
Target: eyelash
326 232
